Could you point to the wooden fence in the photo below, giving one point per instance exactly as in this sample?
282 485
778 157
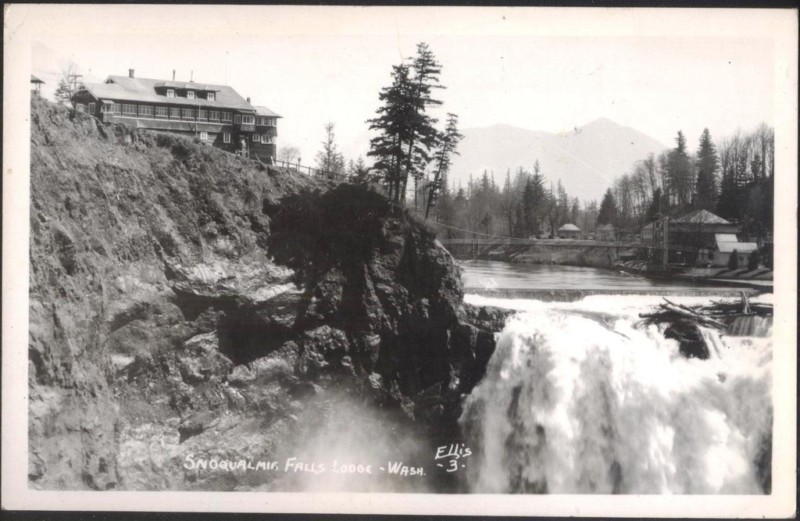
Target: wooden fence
314 172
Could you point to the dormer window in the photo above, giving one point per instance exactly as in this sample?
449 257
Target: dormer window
190 94
210 96
170 93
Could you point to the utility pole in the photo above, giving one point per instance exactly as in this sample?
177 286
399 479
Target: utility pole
73 81
666 242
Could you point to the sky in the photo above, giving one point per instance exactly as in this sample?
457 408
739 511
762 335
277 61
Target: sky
549 69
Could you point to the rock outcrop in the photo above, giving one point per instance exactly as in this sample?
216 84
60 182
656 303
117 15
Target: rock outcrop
187 303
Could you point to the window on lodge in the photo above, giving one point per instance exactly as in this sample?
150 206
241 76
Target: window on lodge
128 109
91 108
162 112
190 94
248 120
114 108
202 114
204 136
226 116
213 115
256 138
146 111
174 112
226 137
266 121
265 139
210 96
237 119
170 93
187 114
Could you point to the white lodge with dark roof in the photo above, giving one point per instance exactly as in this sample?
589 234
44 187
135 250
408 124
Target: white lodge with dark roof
215 114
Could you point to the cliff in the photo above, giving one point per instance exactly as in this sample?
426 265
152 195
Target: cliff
185 302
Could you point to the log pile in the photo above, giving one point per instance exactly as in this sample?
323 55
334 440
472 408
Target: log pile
712 315
684 322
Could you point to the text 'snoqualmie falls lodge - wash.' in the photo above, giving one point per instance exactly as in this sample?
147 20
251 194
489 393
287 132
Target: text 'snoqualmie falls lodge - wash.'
216 114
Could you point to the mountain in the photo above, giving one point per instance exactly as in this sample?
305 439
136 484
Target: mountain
586 159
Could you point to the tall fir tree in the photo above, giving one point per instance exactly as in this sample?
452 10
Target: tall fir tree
679 173
445 150
393 124
707 164
423 134
406 131
608 209
728 206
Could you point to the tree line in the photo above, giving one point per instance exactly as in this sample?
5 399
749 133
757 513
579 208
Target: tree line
526 205
734 179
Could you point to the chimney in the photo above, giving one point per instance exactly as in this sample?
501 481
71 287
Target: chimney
130 73
173 74
248 99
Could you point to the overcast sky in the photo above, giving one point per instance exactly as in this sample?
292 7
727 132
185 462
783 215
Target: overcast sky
543 69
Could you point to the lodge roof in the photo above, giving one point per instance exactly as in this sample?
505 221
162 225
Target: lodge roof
34 79
569 227
701 217
261 110
124 88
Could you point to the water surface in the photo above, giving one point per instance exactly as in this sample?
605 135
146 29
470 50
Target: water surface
489 275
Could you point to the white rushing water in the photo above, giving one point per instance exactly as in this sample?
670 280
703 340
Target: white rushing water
578 399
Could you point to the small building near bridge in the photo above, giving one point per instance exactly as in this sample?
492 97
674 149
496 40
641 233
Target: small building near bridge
569 231
726 245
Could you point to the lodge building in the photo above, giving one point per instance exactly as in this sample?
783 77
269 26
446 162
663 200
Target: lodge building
215 114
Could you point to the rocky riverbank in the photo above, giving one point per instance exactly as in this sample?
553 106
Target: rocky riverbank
187 303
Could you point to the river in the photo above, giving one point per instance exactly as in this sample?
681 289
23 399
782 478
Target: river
491 275
580 397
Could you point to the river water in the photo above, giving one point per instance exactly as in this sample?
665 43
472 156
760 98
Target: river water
580 397
479 274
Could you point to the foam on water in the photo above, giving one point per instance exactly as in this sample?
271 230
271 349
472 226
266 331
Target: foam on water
578 398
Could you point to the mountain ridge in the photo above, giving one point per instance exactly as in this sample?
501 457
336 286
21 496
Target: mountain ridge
586 159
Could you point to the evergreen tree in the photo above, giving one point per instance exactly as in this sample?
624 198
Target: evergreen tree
752 260
728 203
574 211
608 209
679 172
658 206
358 171
406 132
423 134
733 260
445 149
393 124
534 204
707 164
63 92
444 204
329 159
68 83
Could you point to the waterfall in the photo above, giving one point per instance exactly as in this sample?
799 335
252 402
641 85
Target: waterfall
578 399
751 326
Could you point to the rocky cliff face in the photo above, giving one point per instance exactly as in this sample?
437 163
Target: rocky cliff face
186 303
